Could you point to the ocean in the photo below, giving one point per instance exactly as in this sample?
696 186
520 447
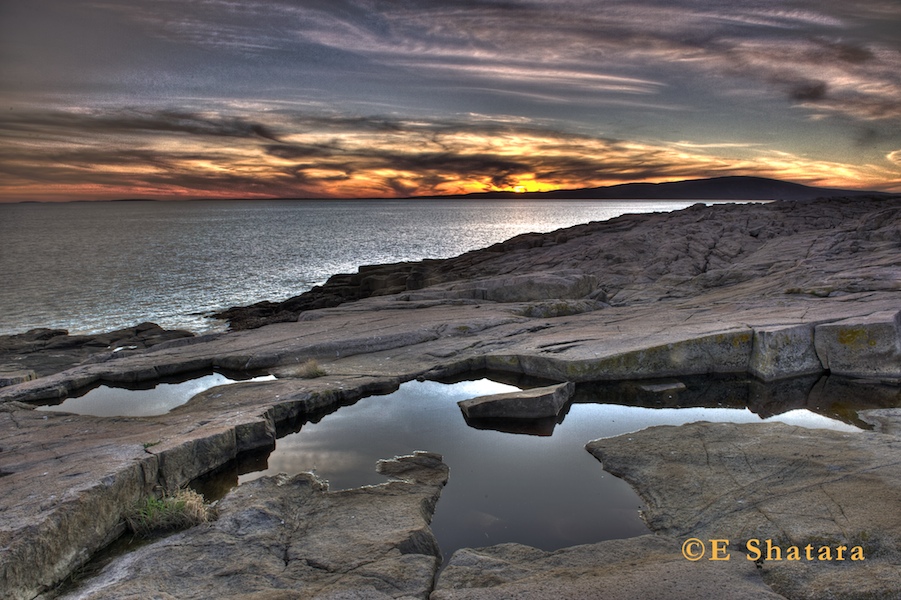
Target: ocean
97 266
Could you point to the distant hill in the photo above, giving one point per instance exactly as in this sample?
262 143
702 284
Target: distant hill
716 188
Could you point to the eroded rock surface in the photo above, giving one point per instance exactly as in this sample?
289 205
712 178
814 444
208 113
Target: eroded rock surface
648 567
790 485
40 352
289 537
775 290
865 346
68 480
772 249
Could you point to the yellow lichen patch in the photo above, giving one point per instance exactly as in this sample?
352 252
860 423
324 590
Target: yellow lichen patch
741 339
856 337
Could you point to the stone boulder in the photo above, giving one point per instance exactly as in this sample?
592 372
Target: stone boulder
536 403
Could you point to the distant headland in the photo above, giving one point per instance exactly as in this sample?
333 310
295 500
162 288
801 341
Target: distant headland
714 188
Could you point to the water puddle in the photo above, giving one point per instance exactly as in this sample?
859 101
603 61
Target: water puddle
142 401
543 489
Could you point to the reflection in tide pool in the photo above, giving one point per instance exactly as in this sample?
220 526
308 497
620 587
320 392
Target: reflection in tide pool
547 492
106 401
608 420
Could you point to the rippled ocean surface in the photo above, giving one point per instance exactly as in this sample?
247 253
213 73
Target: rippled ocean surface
90 267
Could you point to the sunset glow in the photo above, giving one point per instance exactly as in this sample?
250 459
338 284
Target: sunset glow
252 99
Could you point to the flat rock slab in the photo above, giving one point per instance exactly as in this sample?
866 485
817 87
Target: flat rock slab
732 289
289 537
883 420
8 376
535 403
770 481
41 352
67 479
648 567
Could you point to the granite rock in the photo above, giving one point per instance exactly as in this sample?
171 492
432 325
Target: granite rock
68 480
790 485
826 247
648 567
289 537
730 289
41 352
781 352
534 403
865 346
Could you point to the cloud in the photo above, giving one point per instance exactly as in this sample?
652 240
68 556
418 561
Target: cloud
378 97
166 154
134 121
809 91
579 50
301 151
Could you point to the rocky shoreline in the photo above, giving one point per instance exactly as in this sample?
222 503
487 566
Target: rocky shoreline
40 352
775 292
637 259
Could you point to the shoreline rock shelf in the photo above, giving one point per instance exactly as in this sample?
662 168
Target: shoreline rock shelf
290 537
774 482
774 291
822 248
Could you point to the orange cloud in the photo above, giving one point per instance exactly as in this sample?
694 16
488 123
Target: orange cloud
162 155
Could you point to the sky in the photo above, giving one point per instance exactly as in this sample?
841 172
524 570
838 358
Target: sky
166 99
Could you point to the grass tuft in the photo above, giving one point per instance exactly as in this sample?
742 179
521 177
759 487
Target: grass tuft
179 510
310 369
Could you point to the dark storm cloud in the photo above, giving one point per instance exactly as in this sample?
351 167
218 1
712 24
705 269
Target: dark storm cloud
850 53
301 151
134 121
562 157
451 163
313 164
809 91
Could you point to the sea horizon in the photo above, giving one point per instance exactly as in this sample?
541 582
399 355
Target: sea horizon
723 188
91 267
